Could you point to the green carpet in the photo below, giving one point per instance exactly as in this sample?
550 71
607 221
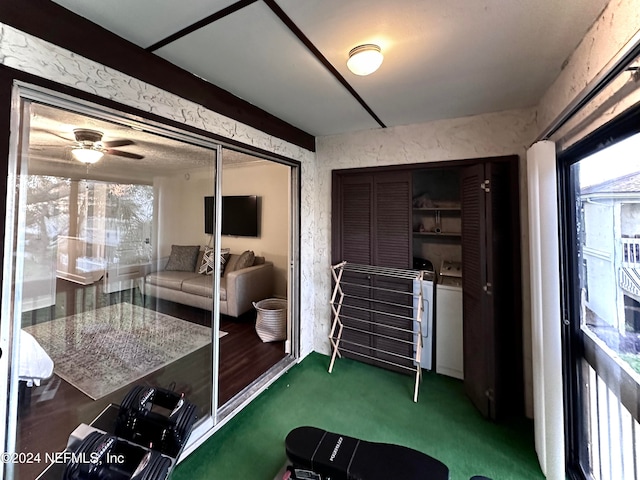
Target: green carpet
369 403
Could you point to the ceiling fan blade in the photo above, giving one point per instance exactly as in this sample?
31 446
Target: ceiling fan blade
120 153
118 143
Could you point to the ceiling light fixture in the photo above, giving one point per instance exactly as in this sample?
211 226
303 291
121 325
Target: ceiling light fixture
365 59
87 154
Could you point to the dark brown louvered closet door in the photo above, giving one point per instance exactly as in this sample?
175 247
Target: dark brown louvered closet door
374 228
502 307
477 342
392 229
356 223
392 244
492 331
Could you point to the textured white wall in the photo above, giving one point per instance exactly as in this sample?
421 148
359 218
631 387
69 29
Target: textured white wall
617 24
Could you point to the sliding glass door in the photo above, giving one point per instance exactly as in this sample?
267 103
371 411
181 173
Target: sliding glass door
97 251
122 282
258 207
601 203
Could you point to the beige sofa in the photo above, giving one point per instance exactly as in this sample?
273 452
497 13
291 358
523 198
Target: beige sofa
238 288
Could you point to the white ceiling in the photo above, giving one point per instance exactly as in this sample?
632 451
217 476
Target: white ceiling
443 58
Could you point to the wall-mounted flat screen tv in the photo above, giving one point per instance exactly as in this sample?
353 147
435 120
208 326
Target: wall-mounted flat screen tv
240 215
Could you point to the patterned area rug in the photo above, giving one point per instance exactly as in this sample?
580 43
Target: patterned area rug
102 350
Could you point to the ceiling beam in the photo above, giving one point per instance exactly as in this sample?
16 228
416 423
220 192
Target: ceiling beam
199 24
275 8
51 22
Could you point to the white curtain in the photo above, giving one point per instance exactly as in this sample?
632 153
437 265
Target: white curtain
545 309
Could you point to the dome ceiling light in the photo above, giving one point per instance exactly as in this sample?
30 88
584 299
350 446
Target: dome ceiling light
89 148
87 154
365 59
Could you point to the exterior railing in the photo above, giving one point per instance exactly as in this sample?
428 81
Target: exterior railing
610 390
614 435
631 252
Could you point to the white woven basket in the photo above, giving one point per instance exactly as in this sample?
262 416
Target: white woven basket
271 321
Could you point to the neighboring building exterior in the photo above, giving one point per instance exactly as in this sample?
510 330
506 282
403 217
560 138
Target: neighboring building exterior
610 238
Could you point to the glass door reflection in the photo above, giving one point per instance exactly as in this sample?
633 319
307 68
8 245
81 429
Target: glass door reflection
91 239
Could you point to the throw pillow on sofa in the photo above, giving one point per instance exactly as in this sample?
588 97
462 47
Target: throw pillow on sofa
246 260
183 258
225 253
208 264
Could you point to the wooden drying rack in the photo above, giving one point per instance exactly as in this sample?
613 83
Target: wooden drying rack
340 299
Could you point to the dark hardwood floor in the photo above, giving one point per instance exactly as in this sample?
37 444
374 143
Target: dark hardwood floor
55 408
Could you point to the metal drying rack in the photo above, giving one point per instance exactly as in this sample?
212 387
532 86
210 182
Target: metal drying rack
339 300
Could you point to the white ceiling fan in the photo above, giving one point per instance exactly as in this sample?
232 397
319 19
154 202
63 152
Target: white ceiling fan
89 147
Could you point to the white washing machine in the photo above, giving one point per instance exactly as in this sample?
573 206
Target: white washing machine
448 320
449 351
426 359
